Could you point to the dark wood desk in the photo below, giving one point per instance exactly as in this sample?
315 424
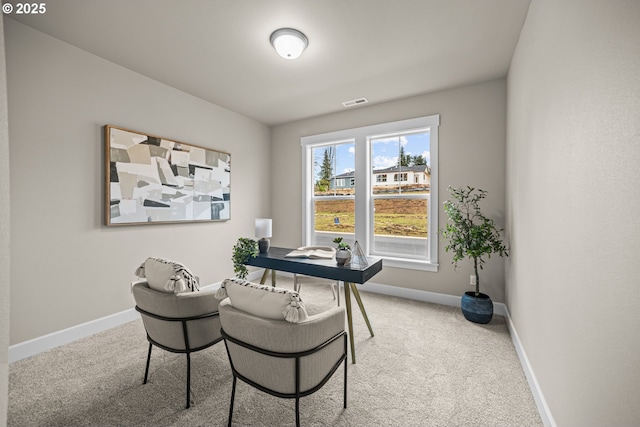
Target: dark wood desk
275 259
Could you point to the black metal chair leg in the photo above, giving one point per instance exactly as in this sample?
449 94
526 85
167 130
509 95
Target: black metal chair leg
146 371
297 411
188 380
233 395
345 380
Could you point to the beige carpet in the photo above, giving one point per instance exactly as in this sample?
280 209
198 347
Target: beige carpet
426 366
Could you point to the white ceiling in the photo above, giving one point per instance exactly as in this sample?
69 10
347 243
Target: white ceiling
219 50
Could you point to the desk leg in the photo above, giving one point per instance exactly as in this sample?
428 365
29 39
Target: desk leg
356 294
264 276
347 300
273 278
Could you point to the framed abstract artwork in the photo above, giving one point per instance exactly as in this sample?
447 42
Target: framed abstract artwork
153 180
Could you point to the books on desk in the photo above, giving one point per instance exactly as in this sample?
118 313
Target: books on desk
324 252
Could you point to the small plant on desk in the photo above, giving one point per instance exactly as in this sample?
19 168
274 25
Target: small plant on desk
341 245
243 250
343 254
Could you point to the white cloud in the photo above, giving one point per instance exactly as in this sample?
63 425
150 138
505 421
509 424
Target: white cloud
392 139
381 162
427 156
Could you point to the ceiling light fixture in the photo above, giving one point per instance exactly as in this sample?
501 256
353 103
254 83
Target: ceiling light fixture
289 43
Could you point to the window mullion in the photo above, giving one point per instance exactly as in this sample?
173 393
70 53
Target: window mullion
363 179
307 196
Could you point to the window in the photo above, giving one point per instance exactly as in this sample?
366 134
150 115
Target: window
333 201
377 185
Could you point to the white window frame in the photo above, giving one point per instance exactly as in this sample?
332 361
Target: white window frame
363 197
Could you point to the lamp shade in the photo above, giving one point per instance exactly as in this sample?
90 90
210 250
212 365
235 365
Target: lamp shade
263 227
288 42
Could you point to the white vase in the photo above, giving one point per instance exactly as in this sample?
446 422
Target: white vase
343 256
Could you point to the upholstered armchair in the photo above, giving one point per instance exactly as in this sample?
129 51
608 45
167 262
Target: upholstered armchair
183 322
275 346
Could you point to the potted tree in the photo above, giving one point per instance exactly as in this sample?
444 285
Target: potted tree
472 235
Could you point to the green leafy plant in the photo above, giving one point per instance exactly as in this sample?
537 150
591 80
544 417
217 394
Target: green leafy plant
341 245
243 250
469 233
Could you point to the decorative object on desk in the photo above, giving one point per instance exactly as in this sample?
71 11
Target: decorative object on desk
149 179
312 252
343 254
358 258
263 232
472 235
243 250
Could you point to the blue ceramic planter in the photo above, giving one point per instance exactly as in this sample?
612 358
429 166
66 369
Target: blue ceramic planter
478 309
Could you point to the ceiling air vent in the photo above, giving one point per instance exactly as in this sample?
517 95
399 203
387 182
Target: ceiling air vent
355 102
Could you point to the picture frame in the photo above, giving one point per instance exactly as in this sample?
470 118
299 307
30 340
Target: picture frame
155 180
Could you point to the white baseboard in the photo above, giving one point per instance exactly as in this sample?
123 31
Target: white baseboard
414 294
37 345
34 346
543 408
47 342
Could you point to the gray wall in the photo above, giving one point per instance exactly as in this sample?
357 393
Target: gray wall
572 206
472 152
67 268
5 263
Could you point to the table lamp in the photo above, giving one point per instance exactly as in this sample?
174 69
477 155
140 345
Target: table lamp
263 231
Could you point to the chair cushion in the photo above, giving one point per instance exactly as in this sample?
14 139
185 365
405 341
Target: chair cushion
263 301
167 276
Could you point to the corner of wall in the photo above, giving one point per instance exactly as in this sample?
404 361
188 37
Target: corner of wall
4 235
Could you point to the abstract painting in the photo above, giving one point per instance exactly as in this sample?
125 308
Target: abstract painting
151 180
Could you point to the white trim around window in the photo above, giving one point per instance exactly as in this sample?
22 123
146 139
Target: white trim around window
363 195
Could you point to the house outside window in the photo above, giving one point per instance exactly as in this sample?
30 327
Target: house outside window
400 177
347 191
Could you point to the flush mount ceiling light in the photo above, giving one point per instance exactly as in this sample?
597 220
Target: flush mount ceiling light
289 43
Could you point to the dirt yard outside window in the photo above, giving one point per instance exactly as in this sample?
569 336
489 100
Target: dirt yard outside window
393 217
